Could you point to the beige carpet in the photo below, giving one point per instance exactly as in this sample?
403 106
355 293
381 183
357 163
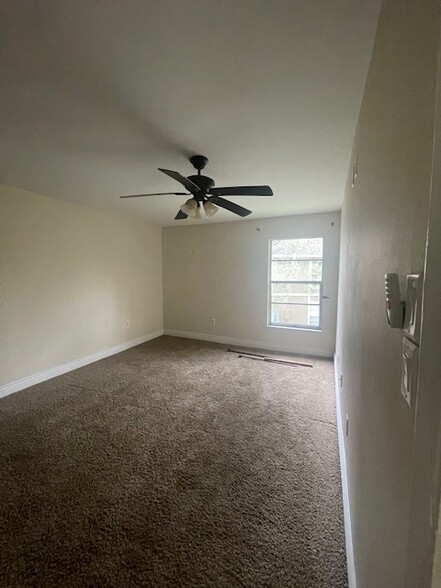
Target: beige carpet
173 464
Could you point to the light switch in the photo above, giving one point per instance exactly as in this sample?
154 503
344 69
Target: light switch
409 370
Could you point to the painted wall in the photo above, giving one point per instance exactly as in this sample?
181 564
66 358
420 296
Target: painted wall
426 468
221 271
70 279
384 223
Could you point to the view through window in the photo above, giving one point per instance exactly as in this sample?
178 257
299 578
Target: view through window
295 289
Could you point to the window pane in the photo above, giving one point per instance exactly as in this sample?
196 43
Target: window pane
297 249
301 315
296 270
295 293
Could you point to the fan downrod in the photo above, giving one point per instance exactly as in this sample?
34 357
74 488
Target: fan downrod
199 162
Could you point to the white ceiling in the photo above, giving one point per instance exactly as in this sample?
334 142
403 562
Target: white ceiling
97 94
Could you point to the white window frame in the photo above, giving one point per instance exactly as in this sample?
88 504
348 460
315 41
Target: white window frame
317 328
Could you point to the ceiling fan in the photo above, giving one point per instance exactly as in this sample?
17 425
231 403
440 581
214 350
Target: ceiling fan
205 198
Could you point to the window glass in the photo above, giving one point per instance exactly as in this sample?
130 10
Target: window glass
295 288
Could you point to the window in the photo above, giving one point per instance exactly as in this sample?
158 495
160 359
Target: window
295 283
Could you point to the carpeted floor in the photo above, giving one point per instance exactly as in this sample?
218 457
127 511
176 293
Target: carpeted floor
173 464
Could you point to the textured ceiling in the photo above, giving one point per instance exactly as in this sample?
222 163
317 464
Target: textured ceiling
97 94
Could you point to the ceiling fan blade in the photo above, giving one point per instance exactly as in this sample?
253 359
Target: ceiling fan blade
191 187
156 194
242 191
181 215
240 210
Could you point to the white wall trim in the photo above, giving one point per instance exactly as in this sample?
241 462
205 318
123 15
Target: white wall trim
73 365
301 350
352 578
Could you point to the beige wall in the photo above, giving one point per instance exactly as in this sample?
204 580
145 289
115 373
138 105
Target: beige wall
384 223
221 271
70 279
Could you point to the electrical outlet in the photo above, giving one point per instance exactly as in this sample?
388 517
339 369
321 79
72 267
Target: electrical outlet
213 321
127 324
347 425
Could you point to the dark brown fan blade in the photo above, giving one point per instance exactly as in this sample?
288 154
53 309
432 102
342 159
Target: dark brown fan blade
181 215
191 187
156 194
242 191
240 210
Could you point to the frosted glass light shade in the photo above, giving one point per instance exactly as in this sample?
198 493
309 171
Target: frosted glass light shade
199 213
210 208
190 208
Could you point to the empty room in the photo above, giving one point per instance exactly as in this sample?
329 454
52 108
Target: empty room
220 288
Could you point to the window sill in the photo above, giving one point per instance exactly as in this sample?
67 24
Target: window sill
294 328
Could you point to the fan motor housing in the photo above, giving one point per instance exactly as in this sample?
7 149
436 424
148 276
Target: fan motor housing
204 183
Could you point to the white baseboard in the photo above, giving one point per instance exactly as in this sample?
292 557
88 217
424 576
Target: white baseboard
300 350
352 578
73 365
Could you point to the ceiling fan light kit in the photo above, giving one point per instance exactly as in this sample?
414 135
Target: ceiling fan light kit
195 210
206 198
